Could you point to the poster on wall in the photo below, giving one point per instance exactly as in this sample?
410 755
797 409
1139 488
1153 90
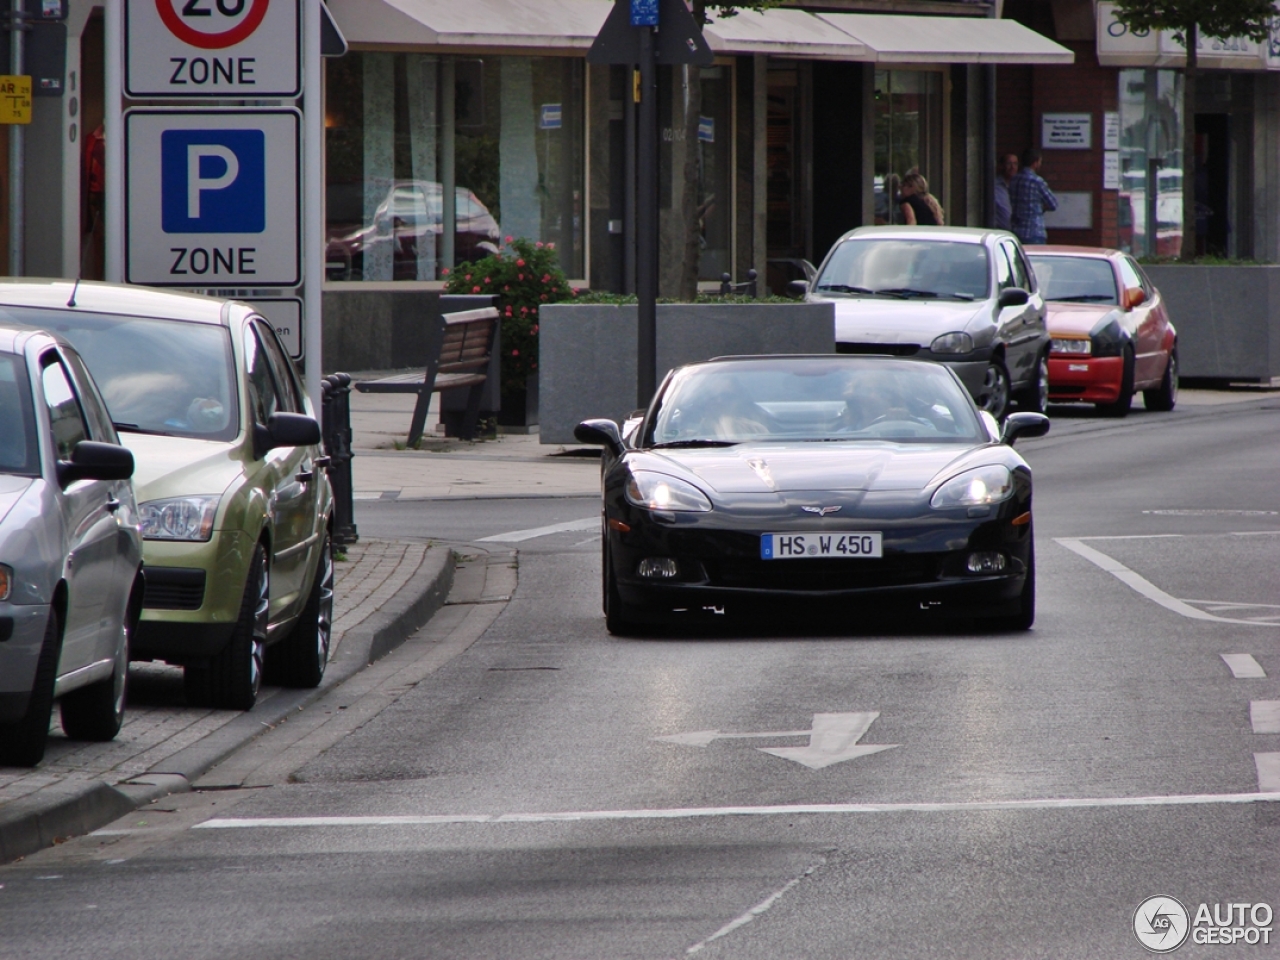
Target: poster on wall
1111 170
1066 131
1075 212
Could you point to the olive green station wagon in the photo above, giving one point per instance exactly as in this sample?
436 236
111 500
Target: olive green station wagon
234 501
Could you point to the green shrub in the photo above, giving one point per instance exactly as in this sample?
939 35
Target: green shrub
524 278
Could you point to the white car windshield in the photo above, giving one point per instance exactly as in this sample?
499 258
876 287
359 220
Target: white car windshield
907 269
167 377
19 452
813 399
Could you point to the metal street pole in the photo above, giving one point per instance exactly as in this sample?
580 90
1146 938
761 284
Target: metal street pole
17 175
313 208
647 224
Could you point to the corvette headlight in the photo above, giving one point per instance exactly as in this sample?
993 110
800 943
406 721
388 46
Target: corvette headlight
974 488
657 491
179 518
952 343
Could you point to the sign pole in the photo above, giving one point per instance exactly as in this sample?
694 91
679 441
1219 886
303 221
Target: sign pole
17 153
113 143
313 202
647 225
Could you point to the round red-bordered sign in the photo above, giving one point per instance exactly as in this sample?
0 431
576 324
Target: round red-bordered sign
212 41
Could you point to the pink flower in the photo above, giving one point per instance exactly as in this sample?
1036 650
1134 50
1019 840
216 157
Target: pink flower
551 246
444 272
546 278
509 239
544 296
524 309
534 328
506 286
519 263
539 244
515 353
467 277
487 280
575 291
519 276
475 289
535 311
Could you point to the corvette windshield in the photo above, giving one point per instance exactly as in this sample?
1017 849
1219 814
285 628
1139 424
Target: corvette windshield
905 269
166 377
813 399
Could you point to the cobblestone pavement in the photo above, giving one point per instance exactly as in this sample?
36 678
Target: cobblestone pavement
158 723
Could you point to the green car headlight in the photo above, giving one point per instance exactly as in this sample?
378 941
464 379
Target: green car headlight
178 518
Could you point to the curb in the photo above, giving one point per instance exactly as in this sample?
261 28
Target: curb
78 807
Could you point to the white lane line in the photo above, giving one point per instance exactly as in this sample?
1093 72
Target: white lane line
682 813
1264 715
517 536
1243 666
1268 765
751 914
1145 587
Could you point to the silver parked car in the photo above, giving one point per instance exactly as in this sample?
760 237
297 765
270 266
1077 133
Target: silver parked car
964 297
71 584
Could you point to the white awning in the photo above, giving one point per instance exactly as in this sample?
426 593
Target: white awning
521 24
893 38
572 25
783 33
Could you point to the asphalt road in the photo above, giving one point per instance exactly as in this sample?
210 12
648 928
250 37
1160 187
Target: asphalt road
550 791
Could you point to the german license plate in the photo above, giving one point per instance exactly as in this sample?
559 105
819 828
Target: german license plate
793 546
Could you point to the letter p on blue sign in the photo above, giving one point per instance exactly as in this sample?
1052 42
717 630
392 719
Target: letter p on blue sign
213 181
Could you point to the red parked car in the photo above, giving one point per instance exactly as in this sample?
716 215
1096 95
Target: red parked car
1109 327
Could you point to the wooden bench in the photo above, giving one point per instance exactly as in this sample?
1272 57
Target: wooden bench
466 345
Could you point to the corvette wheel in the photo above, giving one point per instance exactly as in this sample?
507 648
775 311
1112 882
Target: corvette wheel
1026 615
619 617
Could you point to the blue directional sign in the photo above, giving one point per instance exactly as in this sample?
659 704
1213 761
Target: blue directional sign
212 198
213 181
644 13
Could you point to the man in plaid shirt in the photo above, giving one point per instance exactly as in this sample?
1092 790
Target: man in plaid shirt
1029 198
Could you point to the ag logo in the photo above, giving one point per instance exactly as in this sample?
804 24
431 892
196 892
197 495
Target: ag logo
1161 924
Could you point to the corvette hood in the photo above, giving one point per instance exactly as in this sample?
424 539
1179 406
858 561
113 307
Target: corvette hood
1075 318
11 490
786 468
902 321
178 466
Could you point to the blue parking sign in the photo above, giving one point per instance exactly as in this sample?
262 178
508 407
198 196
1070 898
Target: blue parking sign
213 181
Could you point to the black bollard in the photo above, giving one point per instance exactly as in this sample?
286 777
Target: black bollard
337 441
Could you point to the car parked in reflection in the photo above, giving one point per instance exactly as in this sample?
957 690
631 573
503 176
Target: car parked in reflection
960 296
234 501
1110 329
407 224
71 582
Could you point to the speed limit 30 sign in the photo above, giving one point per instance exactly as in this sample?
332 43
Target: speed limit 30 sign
225 49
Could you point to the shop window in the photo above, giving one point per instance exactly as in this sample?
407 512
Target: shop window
909 136
1150 213
431 161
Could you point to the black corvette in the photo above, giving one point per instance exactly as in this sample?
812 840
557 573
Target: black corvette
858 485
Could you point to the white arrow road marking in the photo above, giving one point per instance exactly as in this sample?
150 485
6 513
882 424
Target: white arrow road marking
833 738
1243 666
1146 587
1264 715
516 536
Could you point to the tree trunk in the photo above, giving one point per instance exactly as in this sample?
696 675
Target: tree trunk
1188 251
691 248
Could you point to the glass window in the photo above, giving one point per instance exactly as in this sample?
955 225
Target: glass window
1021 277
65 417
416 143
1150 213
909 136
19 452
1076 279
168 377
1004 270
263 398
281 368
1129 274
95 408
924 269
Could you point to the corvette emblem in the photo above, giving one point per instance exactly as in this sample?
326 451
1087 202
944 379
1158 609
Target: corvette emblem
821 511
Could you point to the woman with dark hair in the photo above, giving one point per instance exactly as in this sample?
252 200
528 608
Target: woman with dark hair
919 206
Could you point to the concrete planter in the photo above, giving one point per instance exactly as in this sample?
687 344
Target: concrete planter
1227 318
587 352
